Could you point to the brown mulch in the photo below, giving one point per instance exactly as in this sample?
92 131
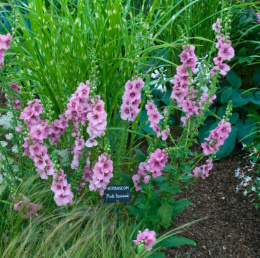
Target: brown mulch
230 227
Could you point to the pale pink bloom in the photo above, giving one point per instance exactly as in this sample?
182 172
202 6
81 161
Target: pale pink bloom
217 60
18 206
5 41
165 134
217 26
129 85
258 17
138 84
148 237
37 132
18 128
79 144
155 117
136 180
2 55
222 68
27 113
207 149
91 142
226 51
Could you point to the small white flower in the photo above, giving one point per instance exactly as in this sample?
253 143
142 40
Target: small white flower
3 143
15 168
237 174
15 149
245 192
159 79
237 188
9 136
253 189
248 178
205 89
155 74
162 88
252 164
242 175
244 145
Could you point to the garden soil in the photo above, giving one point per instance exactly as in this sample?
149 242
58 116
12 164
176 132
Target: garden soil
230 224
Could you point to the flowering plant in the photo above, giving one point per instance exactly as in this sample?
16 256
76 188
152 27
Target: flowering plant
81 130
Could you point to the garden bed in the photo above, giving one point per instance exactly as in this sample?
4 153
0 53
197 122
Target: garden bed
230 227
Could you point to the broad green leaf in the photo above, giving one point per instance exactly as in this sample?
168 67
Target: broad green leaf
240 97
256 98
157 255
225 95
234 79
125 177
246 130
165 214
186 168
174 241
140 155
169 168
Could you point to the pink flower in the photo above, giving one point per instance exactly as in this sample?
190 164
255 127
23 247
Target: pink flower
5 41
91 142
217 26
156 162
102 173
207 149
61 189
147 237
258 17
27 113
226 51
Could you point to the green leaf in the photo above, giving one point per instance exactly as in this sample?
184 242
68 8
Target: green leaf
174 241
256 98
224 98
125 177
234 79
153 218
142 206
169 168
140 155
135 211
167 187
179 206
241 97
166 99
157 255
246 131
185 179
256 76
186 168
228 145
159 180
165 215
